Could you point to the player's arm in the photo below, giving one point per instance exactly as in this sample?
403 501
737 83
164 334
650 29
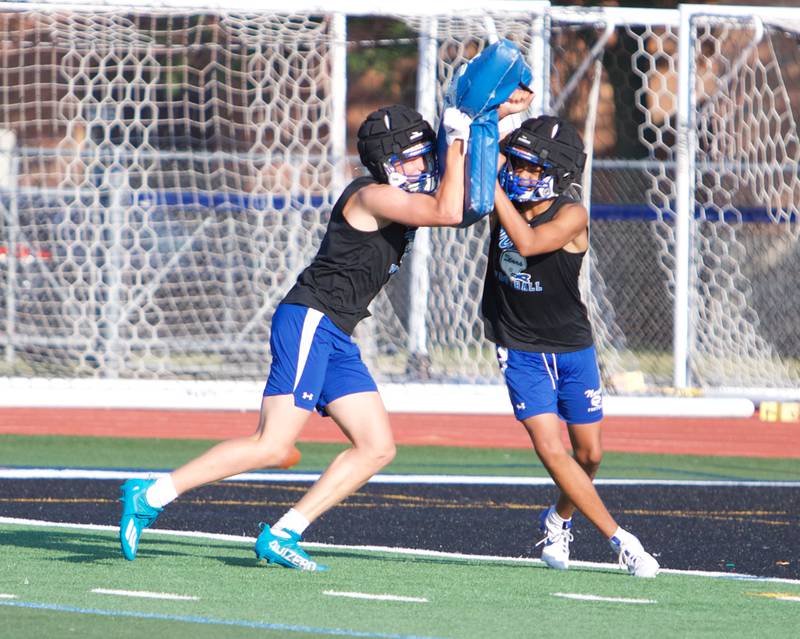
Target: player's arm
417 209
565 226
518 102
446 208
510 114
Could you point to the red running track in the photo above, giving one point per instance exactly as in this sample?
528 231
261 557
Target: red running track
729 437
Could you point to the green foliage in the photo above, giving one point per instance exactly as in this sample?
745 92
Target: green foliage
392 63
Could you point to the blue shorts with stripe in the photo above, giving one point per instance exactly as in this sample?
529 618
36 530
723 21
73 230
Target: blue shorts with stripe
567 384
313 359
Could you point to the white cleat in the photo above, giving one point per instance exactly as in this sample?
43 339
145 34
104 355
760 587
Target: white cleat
635 558
555 552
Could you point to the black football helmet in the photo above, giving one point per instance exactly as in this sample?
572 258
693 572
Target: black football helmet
549 142
392 135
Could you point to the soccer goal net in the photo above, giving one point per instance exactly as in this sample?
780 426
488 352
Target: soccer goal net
167 170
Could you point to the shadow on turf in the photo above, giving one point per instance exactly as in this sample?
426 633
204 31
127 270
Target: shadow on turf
75 547
247 561
70 547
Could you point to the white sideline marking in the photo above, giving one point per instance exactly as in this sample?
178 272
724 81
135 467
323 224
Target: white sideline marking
145 594
477 480
14 521
574 595
6 596
364 595
788 598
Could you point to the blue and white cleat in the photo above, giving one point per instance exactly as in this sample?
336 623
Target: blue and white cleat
137 515
633 556
556 541
284 551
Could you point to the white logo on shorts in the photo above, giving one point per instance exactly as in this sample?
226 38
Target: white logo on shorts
520 406
595 397
308 396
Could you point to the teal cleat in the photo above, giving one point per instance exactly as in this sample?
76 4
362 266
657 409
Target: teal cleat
137 515
284 551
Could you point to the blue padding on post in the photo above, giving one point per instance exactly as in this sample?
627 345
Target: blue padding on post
478 89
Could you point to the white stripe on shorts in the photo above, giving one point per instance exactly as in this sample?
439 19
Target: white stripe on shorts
310 324
547 366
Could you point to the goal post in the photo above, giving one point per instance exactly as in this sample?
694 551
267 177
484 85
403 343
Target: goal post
175 166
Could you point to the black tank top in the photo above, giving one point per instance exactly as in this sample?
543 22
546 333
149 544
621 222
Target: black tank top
351 266
534 303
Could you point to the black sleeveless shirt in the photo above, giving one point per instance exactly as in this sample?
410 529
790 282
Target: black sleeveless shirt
534 303
351 266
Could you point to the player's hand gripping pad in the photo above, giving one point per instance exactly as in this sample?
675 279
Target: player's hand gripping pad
478 89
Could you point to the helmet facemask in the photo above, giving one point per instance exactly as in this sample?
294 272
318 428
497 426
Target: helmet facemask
389 139
551 144
426 181
521 189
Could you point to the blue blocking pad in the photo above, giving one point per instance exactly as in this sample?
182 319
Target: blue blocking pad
478 89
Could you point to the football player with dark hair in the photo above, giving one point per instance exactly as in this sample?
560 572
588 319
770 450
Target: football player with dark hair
533 312
315 363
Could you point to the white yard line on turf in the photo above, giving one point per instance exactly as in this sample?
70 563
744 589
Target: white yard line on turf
478 480
14 521
574 595
364 595
144 594
6 596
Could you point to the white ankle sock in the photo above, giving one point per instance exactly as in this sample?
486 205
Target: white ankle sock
554 518
623 536
161 493
293 521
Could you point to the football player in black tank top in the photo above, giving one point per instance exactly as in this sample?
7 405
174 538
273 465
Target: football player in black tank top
315 364
533 312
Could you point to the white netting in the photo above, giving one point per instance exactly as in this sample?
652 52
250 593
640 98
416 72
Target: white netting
165 175
173 175
744 237
747 192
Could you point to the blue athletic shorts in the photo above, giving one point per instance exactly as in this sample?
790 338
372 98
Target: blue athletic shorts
313 359
567 384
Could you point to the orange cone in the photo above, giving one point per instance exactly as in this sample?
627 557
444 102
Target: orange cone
292 459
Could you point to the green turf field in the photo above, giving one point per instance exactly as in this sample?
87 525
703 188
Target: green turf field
56 570
47 574
89 452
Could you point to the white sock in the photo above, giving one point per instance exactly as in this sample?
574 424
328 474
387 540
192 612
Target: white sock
555 519
161 493
293 521
623 536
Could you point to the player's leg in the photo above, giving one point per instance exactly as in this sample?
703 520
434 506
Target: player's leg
545 433
587 450
349 395
364 420
299 356
577 486
555 522
279 426
532 388
580 404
